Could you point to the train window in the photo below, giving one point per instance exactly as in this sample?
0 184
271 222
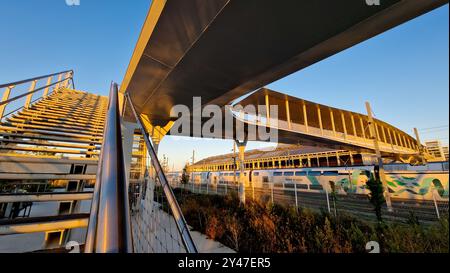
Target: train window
330 173
256 173
300 173
315 173
77 169
302 186
72 186
288 173
316 187
277 174
265 179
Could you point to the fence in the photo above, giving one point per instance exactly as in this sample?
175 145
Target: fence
153 224
292 195
157 221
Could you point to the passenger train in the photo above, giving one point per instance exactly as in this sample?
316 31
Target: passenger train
403 180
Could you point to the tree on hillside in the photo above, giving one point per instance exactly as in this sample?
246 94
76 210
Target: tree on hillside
185 175
376 196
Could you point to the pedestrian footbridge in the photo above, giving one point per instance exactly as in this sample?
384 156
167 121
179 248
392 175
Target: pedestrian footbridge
307 123
95 157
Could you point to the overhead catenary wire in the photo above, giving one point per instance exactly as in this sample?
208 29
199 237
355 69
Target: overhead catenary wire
433 128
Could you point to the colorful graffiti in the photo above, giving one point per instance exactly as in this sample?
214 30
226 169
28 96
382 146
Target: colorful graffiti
401 185
418 185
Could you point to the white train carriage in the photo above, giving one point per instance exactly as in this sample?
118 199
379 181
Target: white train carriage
315 179
199 177
173 177
409 184
229 177
214 178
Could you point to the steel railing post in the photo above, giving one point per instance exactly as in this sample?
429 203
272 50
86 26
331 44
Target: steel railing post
5 98
271 192
296 197
253 191
328 201
433 192
49 81
67 81
59 82
30 96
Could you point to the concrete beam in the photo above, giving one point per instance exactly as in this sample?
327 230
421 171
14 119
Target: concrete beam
45 197
44 176
43 224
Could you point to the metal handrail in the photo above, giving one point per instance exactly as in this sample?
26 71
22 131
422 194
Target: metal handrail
5 100
31 92
182 226
34 79
109 229
92 226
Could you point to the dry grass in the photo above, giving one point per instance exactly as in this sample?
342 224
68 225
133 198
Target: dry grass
267 228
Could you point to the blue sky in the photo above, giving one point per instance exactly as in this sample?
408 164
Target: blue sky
403 72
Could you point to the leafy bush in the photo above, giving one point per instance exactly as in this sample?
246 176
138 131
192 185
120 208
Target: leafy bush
376 195
267 228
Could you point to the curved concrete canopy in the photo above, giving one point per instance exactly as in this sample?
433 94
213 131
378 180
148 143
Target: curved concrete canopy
308 123
223 49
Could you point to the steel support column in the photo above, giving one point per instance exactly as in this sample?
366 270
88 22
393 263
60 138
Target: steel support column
382 176
241 146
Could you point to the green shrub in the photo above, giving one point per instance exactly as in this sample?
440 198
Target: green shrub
376 195
266 228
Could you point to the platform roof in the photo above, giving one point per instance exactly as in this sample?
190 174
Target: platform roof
281 151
